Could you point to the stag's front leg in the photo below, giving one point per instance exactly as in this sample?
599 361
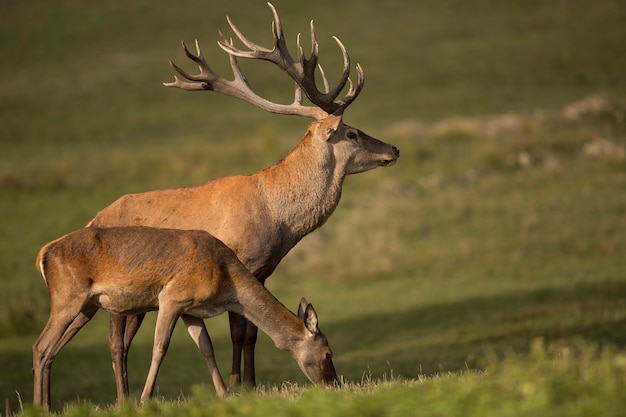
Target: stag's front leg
237 336
243 335
249 345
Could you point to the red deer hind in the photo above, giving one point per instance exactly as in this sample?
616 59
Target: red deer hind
181 273
263 215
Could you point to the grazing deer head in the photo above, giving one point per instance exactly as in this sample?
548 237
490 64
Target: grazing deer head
181 273
263 215
315 357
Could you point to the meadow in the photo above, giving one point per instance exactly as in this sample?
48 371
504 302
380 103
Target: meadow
483 274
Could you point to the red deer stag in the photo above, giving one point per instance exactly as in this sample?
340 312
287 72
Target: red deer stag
188 273
263 215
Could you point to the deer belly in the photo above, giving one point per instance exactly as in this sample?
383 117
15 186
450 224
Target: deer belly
126 303
205 312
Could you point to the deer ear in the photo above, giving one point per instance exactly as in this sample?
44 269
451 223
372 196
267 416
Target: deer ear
329 125
302 307
308 315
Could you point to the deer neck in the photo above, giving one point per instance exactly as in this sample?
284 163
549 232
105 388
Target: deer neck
260 307
304 188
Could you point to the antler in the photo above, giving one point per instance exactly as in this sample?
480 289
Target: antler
302 72
239 88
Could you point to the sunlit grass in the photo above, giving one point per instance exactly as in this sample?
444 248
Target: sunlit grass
568 379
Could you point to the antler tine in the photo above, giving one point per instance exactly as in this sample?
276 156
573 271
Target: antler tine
204 77
277 31
298 95
346 71
279 55
251 45
324 79
234 65
205 70
352 91
309 64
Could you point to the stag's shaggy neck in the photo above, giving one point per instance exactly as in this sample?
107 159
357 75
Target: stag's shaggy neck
304 188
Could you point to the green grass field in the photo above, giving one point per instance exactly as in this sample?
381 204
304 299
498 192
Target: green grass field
484 274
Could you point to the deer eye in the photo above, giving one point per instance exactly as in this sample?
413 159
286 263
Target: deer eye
329 356
351 135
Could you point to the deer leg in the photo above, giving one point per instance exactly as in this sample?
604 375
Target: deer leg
122 330
197 331
117 326
248 354
62 325
85 315
132 327
237 337
166 320
249 344
42 356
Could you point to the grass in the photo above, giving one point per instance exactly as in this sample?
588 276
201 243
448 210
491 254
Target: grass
484 273
565 379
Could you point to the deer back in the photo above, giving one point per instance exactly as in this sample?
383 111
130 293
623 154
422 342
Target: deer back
127 270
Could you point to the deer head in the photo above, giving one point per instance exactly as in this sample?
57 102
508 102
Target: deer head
358 151
313 353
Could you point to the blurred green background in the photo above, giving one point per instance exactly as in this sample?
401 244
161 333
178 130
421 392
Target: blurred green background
504 219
